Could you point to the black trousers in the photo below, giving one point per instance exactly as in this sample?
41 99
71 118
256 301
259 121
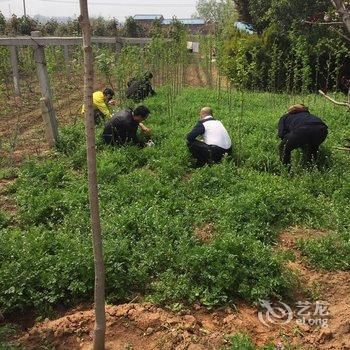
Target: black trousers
108 139
114 141
206 154
308 137
98 117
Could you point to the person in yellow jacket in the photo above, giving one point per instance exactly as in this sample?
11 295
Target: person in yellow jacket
102 100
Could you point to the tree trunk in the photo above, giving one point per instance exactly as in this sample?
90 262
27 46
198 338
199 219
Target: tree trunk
343 12
100 318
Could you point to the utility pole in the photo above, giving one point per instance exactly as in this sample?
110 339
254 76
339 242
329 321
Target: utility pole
24 9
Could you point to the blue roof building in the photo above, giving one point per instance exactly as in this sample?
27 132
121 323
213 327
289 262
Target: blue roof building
185 21
147 17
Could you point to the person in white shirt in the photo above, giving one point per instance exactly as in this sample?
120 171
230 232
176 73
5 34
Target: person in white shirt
216 140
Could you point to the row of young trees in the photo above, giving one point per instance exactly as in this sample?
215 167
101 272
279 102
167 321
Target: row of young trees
296 46
16 26
165 56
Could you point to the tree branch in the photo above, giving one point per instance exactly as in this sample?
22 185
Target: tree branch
346 104
340 34
343 148
324 23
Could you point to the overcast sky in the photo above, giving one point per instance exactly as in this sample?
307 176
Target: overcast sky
106 8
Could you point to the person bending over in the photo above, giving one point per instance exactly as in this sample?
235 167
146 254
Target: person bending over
122 127
300 129
102 100
216 140
140 87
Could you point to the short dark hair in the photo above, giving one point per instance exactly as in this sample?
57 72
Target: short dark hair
148 75
108 91
142 111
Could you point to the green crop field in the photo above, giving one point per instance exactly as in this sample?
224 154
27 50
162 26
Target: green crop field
153 201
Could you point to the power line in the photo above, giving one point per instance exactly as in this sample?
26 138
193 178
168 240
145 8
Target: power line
121 5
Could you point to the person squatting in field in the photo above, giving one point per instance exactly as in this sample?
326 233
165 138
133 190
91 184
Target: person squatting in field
102 100
140 87
300 129
122 127
216 140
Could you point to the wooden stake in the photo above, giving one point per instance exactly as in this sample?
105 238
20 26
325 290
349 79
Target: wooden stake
49 115
100 317
49 122
15 71
118 50
118 47
66 59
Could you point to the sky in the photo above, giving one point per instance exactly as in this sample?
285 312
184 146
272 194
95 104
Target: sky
106 8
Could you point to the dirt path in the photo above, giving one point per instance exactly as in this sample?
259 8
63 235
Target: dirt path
145 326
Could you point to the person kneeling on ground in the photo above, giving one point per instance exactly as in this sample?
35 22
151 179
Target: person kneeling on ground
102 100
216 140
140 87
122 127
300 129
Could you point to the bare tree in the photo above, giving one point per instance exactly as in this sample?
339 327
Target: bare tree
100 317
343 10
344 13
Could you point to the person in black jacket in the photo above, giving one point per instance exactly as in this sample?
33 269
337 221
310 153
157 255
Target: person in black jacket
122 127
140 87
300 129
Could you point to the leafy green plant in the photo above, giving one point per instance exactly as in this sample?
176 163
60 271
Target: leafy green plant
8 331
331 252
3 219
282 61
152 203
105 63
242 341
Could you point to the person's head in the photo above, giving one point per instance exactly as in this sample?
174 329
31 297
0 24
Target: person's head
148 75
205 112
298 108
141 113
108 94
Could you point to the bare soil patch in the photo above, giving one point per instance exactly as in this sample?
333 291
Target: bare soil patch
206 232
